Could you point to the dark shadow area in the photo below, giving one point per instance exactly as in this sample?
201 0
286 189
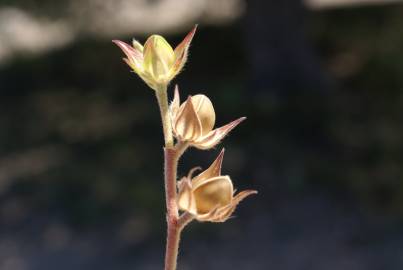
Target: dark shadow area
81 158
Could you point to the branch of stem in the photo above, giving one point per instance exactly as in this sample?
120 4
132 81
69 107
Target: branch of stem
184 220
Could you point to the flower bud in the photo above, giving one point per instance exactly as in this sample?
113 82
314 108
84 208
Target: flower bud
210 196
156 63
193 121
158 58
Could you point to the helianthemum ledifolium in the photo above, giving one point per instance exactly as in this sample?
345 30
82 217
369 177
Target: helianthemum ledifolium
208 196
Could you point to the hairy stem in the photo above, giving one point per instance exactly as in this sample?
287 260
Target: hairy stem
162 98
173 230
174 222
173 239
171 157
172 247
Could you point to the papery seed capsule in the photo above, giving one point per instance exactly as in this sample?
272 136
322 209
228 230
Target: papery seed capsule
209 196
205 112
216 192
193 121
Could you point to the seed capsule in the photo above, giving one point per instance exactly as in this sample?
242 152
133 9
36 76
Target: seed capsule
193 121
209 196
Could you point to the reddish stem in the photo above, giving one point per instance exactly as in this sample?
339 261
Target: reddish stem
173 232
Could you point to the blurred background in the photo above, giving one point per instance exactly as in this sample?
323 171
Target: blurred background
80 140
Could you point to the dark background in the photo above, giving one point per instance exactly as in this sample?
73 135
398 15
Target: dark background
80 138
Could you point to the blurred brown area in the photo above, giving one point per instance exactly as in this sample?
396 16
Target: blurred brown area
80 139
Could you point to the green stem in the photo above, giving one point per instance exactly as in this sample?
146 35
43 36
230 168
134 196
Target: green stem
162 98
